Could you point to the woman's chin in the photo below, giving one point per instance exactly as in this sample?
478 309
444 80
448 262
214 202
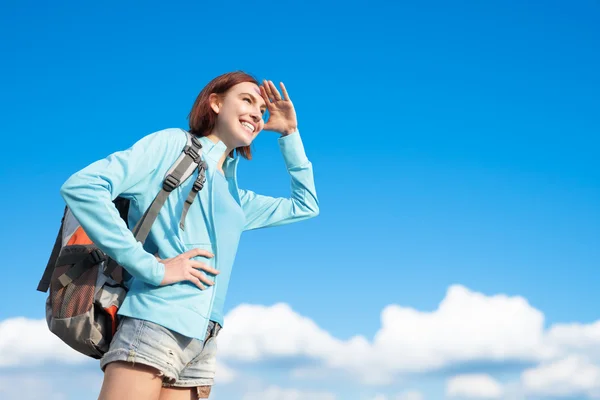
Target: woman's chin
243 143
246 139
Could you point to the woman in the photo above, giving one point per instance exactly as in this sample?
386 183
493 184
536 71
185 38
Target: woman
164 347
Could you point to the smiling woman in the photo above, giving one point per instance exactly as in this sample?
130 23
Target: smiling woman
177 279
246 101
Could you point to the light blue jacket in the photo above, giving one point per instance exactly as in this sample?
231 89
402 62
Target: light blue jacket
137 174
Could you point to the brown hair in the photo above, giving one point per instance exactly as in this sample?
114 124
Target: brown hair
202 117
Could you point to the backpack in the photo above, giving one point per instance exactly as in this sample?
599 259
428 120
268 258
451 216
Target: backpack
86 286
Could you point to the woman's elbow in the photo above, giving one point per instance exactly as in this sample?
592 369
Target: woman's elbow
77 188
302 210
313 209
67 188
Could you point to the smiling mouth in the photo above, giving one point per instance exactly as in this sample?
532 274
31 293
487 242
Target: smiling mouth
249 127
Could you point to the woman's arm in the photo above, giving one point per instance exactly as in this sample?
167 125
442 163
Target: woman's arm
264 211
89 194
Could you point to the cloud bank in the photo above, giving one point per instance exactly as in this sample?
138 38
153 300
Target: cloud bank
466 327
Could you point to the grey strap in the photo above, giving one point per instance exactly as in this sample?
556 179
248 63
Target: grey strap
182 169
142 228
110 267
73 254
198 185
94 257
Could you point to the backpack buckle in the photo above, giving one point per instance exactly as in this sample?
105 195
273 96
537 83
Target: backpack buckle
170 183
196 142
198 184
190 151
96 256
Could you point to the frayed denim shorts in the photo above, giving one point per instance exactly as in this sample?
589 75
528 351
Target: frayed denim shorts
180 360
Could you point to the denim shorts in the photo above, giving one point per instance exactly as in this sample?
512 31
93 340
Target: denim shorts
180 360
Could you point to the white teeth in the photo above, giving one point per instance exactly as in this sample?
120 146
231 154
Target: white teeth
248 125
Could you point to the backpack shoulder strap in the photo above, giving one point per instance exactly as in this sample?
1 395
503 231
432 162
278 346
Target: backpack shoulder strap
181 170
198 185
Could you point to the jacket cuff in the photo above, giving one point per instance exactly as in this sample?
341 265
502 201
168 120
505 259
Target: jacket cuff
158 273
293 150
147 268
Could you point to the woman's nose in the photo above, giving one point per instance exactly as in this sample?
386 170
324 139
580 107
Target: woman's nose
256 116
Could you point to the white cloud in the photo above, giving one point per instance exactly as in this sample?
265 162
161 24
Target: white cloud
575 338
474 386
571 376
224 374
281 332
50 386
28 388
29 342
467 326
277 393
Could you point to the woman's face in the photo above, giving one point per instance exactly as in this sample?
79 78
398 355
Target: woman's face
239 115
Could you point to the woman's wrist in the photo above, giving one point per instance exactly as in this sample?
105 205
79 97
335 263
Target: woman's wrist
292 150
289 131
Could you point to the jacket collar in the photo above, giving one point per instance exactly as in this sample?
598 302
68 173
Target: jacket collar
230 166
213 153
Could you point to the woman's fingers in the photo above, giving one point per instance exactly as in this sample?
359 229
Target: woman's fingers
204 267
184 268
196 281
265 96
180 266
276 94
268 90
195 253
201 277
284 91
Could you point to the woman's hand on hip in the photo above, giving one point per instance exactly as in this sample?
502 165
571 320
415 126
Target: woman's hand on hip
282 115
183 268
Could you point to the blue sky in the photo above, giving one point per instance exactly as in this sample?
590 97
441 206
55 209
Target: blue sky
453 144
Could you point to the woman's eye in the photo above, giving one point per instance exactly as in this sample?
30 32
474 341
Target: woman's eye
248 100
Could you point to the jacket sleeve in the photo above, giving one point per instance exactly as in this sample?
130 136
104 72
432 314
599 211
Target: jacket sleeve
264 211
89 194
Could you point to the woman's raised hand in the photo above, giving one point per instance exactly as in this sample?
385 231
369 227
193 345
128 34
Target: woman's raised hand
183 268
282 116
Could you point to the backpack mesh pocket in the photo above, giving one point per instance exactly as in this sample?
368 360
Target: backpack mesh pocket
77 297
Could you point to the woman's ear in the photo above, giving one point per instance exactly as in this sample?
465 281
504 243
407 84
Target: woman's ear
215 102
